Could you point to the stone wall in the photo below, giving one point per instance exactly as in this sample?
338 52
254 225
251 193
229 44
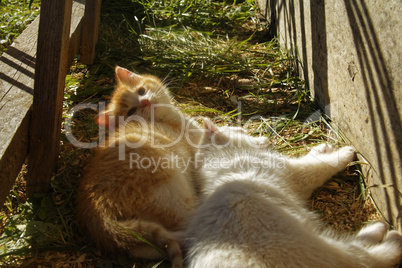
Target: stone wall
349 53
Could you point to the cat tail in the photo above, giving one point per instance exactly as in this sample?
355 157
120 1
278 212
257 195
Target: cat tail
146 240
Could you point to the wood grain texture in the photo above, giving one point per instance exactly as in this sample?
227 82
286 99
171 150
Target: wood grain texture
90 31
76 29
17 67
50 73
37 60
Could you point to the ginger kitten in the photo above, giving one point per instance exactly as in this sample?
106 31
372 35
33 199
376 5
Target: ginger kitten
141 187
143 97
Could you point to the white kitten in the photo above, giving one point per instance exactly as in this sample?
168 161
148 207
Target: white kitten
253 214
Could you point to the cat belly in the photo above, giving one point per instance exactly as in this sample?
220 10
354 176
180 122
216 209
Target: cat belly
121 202
244 225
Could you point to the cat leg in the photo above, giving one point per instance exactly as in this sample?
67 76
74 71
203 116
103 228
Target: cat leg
245 224
328 156
244 137
146 240
383 247
323 148
388 253
312 170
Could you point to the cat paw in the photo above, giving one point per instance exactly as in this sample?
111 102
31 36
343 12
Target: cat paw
385 247
180 237
230 129
260 141
388 253
372 234
394 237
338 160
323 148
346 155
254 142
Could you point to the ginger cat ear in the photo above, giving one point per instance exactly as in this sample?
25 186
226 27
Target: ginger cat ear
102 119
125 76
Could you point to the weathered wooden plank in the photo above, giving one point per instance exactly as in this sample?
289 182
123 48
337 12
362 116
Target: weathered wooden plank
77 24
50 72
90 31
17 66
17 73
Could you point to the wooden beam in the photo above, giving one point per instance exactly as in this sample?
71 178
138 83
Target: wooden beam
90 31
17 67
77 25
50 73
17 73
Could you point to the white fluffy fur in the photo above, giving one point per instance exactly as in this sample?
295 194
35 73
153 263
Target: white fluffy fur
254 214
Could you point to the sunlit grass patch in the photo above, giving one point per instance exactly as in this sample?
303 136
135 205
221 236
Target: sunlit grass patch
15 16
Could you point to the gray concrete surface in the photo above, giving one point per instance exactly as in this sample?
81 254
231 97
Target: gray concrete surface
349 53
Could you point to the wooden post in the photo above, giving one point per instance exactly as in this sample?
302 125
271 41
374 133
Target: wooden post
90 31
50 73
17 68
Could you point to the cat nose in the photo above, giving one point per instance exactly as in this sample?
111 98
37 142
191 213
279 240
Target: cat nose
145 103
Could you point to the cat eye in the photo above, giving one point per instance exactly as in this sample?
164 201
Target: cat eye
131 111
141 91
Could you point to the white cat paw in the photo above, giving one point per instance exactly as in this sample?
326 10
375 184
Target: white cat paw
260 141
323 148
372 234
338 160
394 237
388 253
346 154
385 247
230 129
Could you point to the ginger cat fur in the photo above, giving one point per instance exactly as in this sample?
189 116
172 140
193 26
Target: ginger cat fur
142 184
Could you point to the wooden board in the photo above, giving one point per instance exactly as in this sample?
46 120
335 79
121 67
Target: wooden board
17 67
19 74
54 55
76 31
90 31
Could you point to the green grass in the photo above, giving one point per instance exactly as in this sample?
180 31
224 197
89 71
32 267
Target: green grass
213 55
15 16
